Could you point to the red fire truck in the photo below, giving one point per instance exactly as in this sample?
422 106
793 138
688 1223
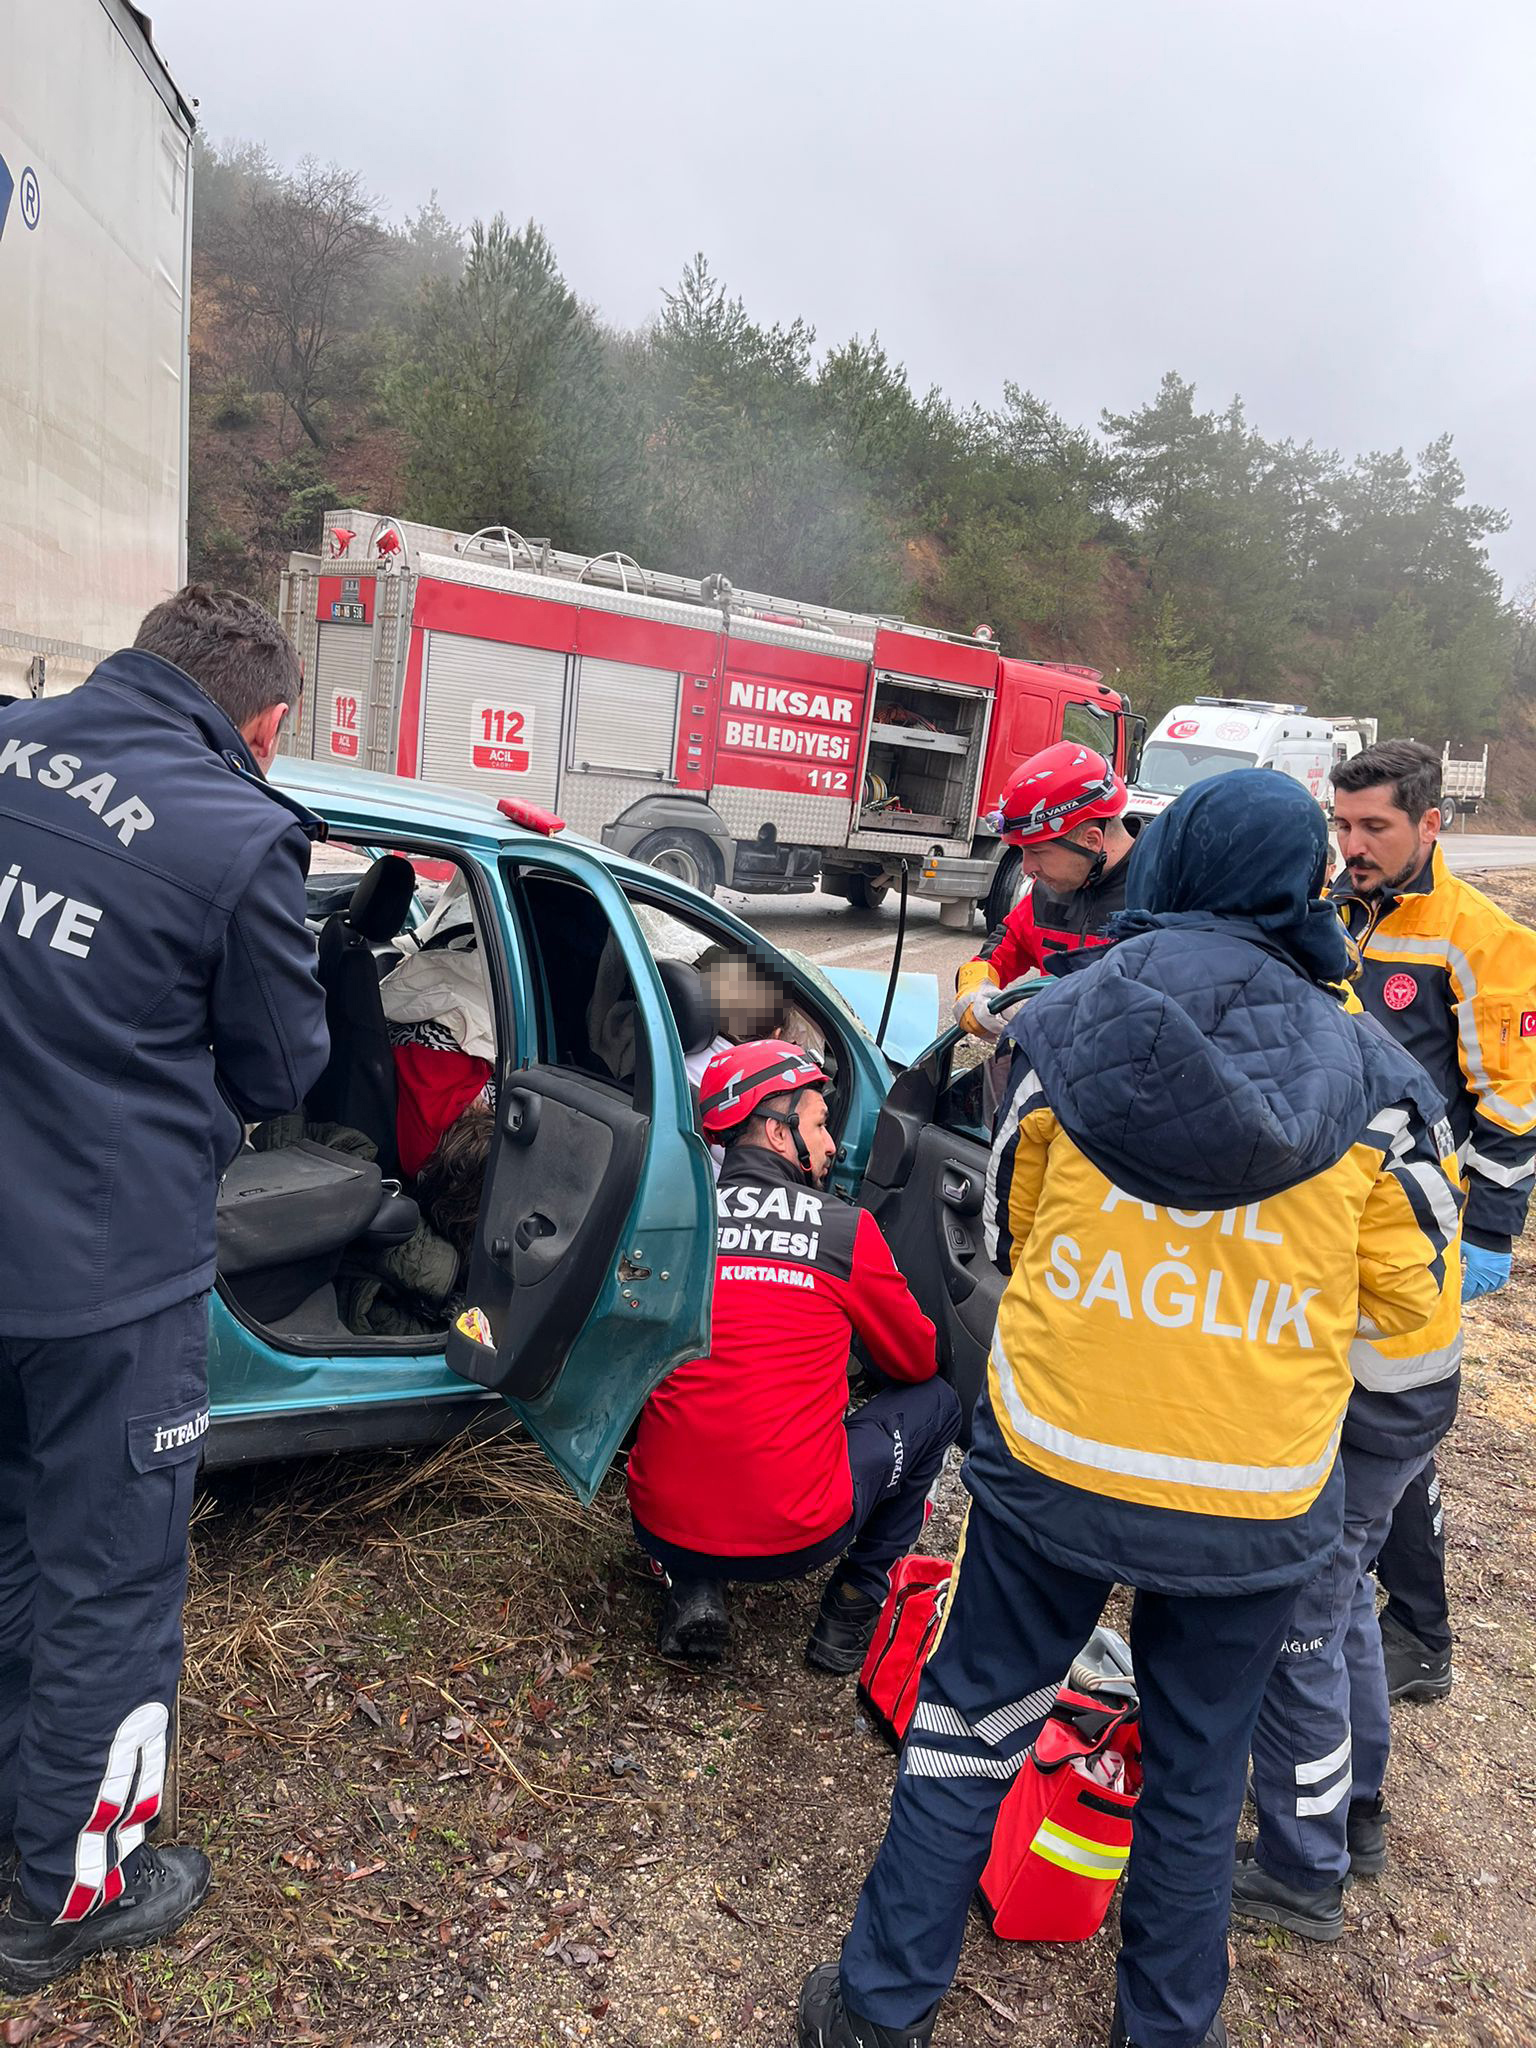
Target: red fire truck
725 736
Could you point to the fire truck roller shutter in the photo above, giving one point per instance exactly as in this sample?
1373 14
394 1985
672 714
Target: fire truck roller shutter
492 717
626 718
343 674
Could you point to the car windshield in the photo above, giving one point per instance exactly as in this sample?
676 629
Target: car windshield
1168 767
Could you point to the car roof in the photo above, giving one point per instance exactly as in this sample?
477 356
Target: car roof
378 806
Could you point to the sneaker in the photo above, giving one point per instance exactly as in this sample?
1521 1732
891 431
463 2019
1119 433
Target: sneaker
823 2021
1316 1915
1413 1672
845 1626
694 1623
1216 2038
1368 1837
163 1889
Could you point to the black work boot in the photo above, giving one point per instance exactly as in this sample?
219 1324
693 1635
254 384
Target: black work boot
1316 1915
163 1888
694 1623
823 2021
845 1624
1413 1672
1368 1837
1215 2038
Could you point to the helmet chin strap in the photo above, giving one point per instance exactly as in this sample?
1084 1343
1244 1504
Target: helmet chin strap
792 1121
1096 861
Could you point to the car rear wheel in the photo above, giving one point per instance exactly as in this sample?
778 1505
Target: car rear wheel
685 856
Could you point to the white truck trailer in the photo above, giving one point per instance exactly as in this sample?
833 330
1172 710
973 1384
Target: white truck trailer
1463 784
95 294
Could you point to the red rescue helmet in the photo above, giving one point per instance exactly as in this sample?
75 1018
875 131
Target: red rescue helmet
741 1077
1054 790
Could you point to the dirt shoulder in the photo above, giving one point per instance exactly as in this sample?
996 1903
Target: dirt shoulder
454 1801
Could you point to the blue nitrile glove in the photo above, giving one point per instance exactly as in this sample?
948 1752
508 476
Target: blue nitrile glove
1482 1272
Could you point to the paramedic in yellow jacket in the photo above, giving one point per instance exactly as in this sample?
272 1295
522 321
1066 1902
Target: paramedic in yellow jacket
1207 1176
1453 978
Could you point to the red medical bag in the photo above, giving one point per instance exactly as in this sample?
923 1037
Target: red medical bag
905 1633
1062 1837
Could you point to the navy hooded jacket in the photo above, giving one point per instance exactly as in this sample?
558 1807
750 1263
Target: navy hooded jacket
157 987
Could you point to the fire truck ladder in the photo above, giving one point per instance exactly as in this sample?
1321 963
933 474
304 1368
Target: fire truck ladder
614 570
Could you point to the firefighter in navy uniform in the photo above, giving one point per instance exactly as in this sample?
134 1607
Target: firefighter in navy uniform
1064 809
157 986
747 1464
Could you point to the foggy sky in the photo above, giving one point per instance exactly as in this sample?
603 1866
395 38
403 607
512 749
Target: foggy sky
1326 208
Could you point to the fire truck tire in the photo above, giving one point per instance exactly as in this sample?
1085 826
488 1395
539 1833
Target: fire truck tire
1004 892
864 892
685 856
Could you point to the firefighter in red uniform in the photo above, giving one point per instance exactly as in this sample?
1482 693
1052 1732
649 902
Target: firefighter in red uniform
1064 810
747 1464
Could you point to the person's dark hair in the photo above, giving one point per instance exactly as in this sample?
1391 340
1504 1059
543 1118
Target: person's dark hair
449 1185
232 649
1409 766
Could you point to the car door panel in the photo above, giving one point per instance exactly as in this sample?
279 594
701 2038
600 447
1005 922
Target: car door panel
594 1258
925 1185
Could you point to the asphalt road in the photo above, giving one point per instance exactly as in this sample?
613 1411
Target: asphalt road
826 929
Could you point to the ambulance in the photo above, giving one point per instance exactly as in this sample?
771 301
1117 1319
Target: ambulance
1216 734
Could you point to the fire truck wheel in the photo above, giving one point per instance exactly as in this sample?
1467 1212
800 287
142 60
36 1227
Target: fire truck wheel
1004 892
685 856
865 893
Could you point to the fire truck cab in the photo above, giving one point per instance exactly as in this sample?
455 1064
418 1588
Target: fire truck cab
725 737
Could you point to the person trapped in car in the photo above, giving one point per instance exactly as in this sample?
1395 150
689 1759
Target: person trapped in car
157 987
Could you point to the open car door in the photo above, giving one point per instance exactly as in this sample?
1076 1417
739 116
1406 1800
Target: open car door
924 1185
594 1258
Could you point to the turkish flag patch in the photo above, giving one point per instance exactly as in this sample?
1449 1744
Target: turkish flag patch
1528 1023
1399 991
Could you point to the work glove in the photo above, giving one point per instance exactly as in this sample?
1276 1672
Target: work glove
1482 1272
972 1013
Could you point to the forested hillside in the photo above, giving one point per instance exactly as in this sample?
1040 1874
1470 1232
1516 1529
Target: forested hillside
455 375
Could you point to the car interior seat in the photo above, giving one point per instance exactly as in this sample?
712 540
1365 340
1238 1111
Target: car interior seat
692 1011
358 1085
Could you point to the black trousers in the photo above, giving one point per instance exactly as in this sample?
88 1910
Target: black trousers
99 1443
1411 1564
896 1445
